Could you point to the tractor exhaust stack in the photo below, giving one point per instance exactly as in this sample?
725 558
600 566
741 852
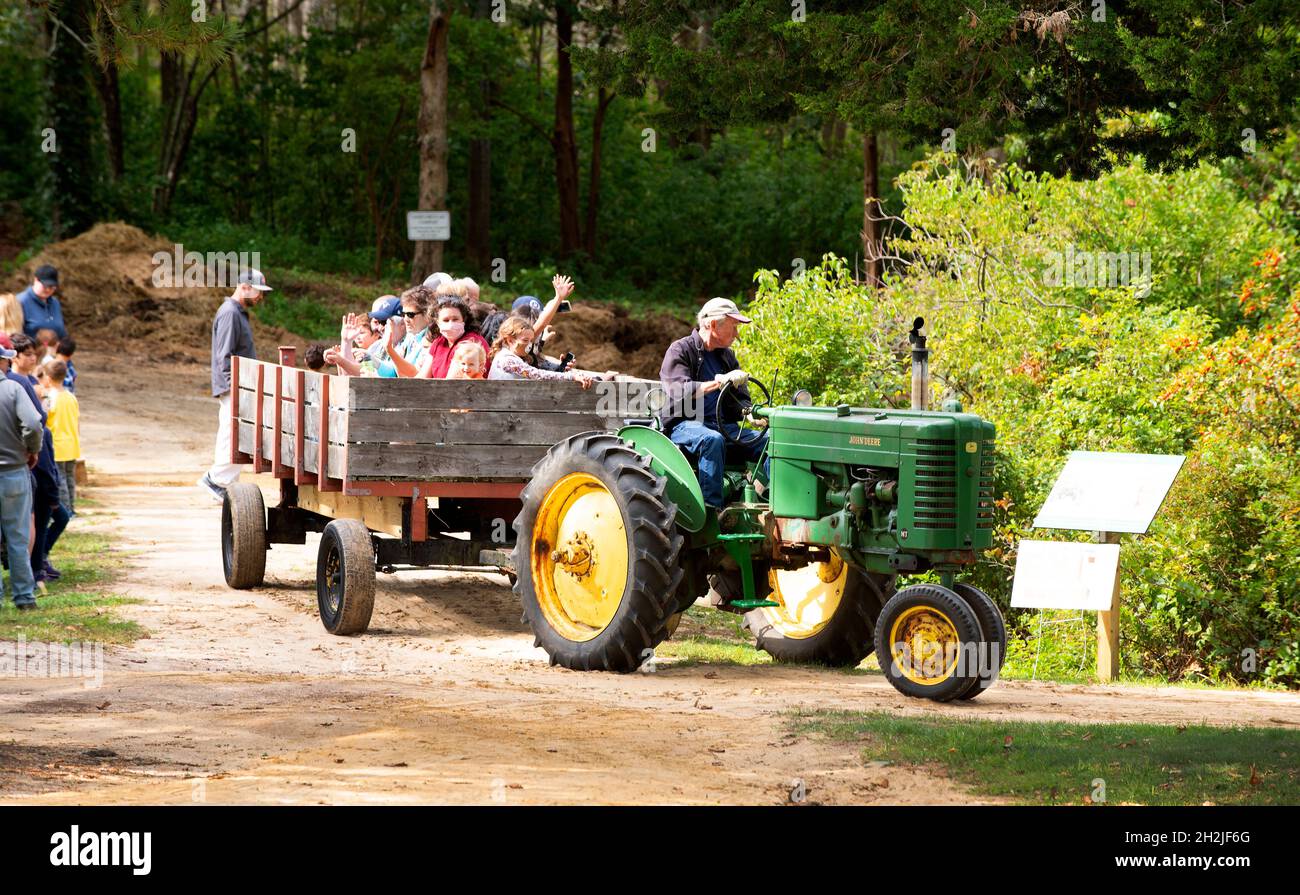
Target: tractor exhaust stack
920 366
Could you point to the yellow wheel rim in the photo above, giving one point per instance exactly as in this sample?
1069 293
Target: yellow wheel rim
579 557
808 597
924 645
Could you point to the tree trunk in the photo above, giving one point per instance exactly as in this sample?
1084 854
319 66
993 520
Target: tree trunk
110 98
72 170
872 234
180 99
564 138
433 136
478 229
603 99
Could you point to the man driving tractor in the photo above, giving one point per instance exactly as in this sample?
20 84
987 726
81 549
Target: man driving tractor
695 371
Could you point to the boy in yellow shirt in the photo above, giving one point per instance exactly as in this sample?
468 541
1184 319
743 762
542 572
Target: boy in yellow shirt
65 426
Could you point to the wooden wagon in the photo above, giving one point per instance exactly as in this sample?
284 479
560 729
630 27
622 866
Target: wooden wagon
394 473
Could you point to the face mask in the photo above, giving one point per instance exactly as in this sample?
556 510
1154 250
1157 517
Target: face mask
451 331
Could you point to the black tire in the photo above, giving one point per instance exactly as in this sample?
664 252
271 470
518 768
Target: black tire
846 638
243 536
642 617
959 669
993 650
345 577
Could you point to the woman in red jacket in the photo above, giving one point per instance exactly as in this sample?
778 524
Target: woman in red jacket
451 317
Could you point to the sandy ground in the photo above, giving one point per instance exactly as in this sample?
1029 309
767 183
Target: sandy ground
242 697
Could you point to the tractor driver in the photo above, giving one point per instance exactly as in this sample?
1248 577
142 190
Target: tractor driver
694 370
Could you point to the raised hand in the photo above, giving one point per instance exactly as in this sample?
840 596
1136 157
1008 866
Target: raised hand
563 286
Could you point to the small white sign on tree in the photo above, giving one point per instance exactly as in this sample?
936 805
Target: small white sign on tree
428 226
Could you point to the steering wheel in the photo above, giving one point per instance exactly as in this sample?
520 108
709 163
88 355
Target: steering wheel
725 392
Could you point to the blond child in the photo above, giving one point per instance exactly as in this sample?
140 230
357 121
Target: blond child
64 423
468 361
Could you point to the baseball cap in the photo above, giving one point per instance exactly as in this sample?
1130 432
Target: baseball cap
721 307
385 307
531 303
8 353
6 342
255 279
48 275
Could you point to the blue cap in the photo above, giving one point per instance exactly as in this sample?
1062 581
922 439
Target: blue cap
531 302
385 307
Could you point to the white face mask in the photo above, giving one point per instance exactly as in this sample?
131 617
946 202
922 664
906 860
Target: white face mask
451 330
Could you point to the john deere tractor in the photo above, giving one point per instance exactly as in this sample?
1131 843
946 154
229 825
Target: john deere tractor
614 542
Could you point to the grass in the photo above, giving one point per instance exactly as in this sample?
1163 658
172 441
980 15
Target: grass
709 637
1049 763
78 606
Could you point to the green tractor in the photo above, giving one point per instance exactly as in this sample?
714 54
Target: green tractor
614 542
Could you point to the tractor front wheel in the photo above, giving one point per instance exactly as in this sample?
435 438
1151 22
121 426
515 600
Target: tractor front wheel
993 645
827 613
596 553
928 640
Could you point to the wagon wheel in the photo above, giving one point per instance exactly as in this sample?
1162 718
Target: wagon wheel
827 613
243 536
345 577
927 641
596 553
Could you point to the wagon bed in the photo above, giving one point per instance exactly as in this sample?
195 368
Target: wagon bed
436 465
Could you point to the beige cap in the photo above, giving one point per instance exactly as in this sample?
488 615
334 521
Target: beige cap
721 307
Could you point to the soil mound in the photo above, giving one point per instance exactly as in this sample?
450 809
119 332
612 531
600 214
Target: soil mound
605 337
109 299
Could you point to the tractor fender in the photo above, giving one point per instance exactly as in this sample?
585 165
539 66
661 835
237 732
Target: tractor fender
667 460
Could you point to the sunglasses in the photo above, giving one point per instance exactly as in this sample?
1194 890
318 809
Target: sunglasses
409 314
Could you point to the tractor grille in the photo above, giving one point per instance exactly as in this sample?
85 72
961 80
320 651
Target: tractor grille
985 514
936 483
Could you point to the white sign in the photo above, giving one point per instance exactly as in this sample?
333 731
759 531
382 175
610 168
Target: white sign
1064 575
1109 492
430 226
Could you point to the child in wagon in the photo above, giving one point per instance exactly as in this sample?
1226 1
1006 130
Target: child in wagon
468 361
510 351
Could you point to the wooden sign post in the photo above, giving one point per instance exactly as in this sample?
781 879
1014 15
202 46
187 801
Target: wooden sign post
1108 621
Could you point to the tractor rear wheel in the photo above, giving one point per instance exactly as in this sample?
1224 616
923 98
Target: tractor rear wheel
243 536
993 645
596 552
345 577
827 614
927 641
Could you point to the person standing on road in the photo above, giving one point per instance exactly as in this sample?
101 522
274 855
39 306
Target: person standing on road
232 336
41 310
20 445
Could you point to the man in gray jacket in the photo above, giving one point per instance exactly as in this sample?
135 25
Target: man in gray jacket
20 443
232 335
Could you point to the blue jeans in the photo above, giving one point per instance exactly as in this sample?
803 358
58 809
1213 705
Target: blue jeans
15 519
710 451
51 519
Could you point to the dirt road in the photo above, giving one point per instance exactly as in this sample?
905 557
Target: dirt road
243 697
